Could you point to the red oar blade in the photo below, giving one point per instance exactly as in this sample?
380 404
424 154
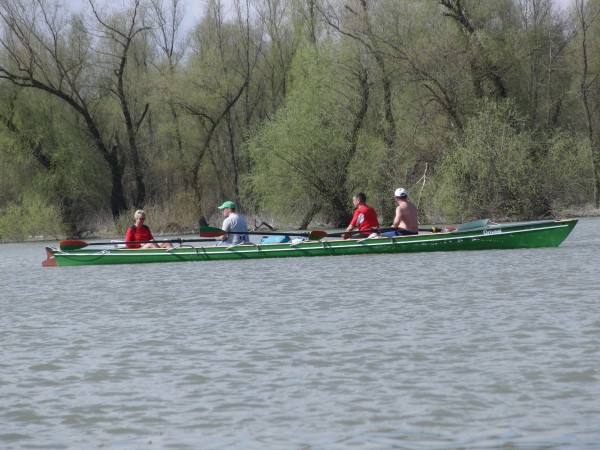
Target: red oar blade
71 244
211 232
315 235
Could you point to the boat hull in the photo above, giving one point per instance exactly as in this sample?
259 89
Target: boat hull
549 233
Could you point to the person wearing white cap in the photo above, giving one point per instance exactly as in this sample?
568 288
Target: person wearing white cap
405 221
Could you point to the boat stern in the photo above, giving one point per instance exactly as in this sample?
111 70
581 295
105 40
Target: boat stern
50 260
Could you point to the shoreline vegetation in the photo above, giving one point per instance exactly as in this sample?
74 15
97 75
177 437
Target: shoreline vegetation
480 109
167 228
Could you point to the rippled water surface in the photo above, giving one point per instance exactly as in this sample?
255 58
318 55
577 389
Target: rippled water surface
464 350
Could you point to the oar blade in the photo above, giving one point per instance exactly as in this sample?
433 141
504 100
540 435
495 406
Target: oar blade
315 235
71 244
211 232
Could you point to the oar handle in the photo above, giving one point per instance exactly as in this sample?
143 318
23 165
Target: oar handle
347 234
72 244
350 233
216 232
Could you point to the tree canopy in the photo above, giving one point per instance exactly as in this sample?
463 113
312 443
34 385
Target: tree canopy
480 108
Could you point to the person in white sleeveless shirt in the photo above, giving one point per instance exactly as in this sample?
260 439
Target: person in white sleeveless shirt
405 221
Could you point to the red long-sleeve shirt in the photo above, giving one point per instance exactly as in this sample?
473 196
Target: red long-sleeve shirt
134 233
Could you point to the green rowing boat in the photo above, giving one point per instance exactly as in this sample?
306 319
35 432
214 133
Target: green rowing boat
478 235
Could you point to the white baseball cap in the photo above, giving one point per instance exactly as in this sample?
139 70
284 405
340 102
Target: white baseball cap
401 192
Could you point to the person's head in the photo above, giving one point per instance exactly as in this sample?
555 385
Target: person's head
400 193
139 215
359 198
227 208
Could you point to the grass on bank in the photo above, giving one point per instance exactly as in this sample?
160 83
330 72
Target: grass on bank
33 220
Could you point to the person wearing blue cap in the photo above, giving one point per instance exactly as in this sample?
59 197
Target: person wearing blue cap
233 222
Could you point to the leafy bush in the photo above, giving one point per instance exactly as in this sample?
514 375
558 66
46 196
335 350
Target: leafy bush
300 157
493 172
32 218
568 170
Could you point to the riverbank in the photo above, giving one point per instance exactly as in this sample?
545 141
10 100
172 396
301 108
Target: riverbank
163 227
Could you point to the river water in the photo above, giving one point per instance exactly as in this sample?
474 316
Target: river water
459 350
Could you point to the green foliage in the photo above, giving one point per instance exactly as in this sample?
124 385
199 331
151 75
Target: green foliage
289 83
76 170
300 157
492 172
30 218
567 170
371 173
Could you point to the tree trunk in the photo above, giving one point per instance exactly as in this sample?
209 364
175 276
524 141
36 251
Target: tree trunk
118 204
585 98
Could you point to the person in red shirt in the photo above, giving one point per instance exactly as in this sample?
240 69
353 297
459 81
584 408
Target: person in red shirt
140 232
364 218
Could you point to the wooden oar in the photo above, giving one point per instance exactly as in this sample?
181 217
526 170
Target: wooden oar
369 230
348 234
216 232
72 244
